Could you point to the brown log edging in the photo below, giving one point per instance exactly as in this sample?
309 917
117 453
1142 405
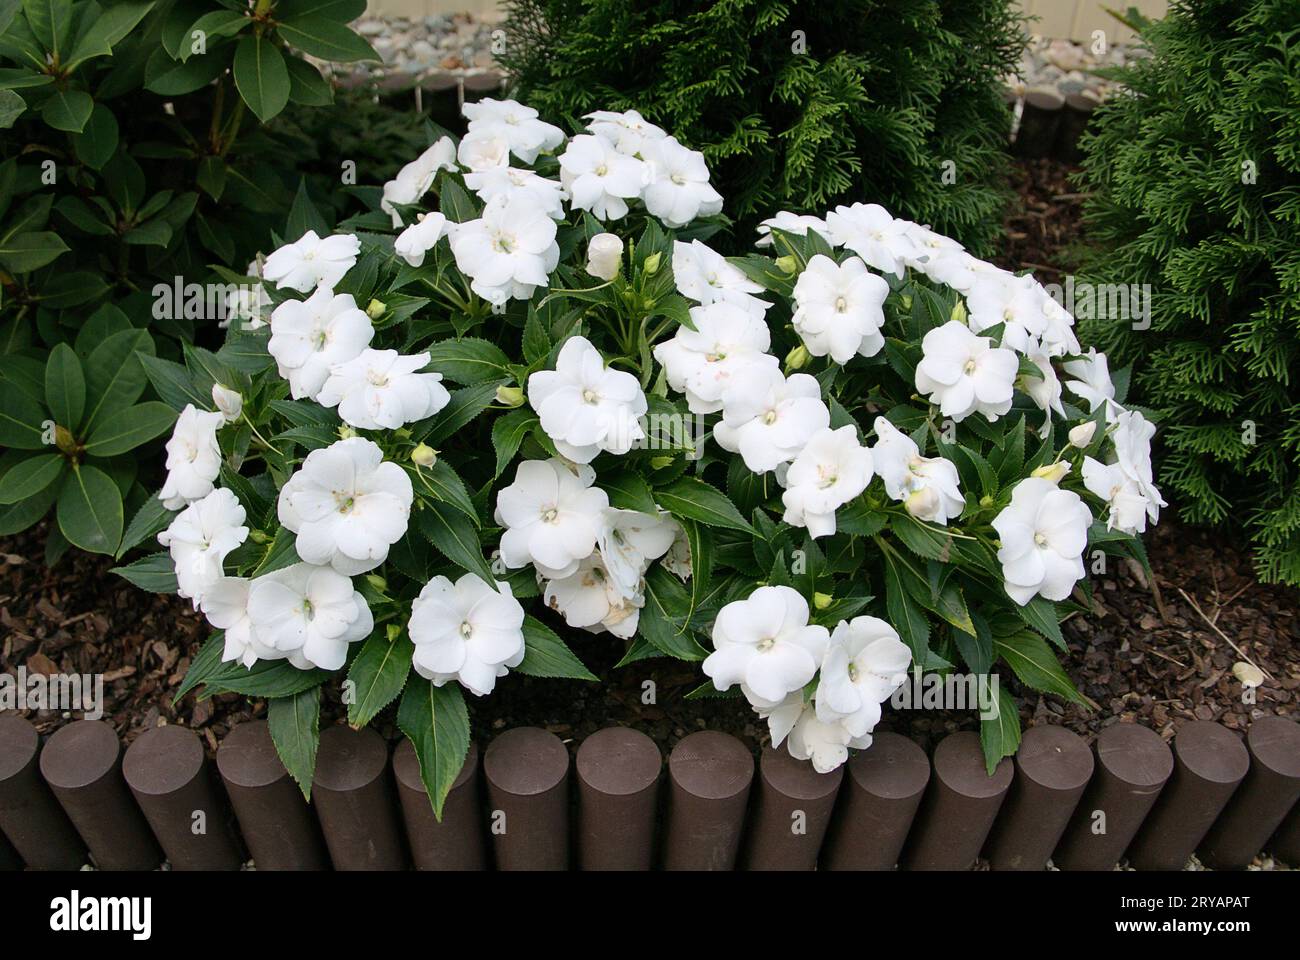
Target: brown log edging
1128 797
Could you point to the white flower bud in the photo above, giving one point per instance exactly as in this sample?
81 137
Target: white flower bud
604 254
230 403
424 455
1054 472
923 504
1082 435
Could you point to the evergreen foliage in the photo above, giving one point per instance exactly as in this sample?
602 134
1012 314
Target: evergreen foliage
796 104
1195 176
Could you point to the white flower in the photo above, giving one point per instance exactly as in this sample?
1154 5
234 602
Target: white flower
347 505
1016 302
599 178
1044 531
483 150
628 541
930 246
511 182
509 251
702 362
704 275
312 261
516 124
1132 438
1128 507
310 336
630 132
965 374
794 722
765 644
310 614
1091 380
829 471
865 663
590 599
247 302
1044 390
228 401
552 516
1081 435
959 270
414 180
604 256
193 457
839 309
869 231
678 190
787 222
586 407
470 631
927 485
767 418
200 537
420 237
677 560
383 389
225 604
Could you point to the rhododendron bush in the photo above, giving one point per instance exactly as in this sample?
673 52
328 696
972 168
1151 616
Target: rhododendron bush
524 401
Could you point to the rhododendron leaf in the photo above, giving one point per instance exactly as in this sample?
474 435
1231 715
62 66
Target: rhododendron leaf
261 76
29 477
115 377
378 674
294 722
65 387
697 500
1033 661
90 510
130 428
325 39
436 722
1000 735
546 655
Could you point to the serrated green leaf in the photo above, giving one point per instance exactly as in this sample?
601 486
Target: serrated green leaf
436 722
546 655
295 730
378 674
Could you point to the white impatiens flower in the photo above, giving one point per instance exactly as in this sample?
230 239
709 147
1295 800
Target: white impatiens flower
787 222
1015 302
552 516
200 537
225 605
869 231
1044 390
794 722
586 407
1128 506
414 180
420 237
767 418
965 374
483 150
247 302
604 256
704 275
865 663
515 123
630 132
312 261
677 560
1132 438
347 505
928 486
678 190
959 270
1044 531
628 541
310 336
701 362
508 252
510 182
829 471
590 599
839 309
599 178
470 631
193 457
309 614
765 644
1089 378
383 389
228 401
930 246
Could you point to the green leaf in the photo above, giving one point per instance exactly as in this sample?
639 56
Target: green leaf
51 23
465 404
449 488
303 215
904 614
12 106
1036 665
29 477
664 616
90 510
1040 613
21 420
266 678
454 535
628 490
108 28
115 377
508 432
130 428
546 655
213 25
306 85
344 11
261 76
378 674
168 78
326 39
1000 735
174 383
860 518
97 143
699 539
155 573
697 500
65 387
148 521
25 252
295 730
205 663
281 553
68 110
436 722
468 360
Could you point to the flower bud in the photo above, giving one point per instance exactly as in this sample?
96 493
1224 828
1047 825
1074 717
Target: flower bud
376 581
1054 472
652 262
905 301
604 255
230 403
424 455
510 396
797 358
259 536
661 463
986 501
376 309
346 432
822 600
958 312
1082 435
787 264
923 504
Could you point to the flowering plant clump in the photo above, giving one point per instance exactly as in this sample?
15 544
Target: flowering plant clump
548 409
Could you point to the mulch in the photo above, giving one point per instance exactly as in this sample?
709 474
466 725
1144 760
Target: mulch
1160 652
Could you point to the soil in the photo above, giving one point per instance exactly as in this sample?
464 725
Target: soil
1161 652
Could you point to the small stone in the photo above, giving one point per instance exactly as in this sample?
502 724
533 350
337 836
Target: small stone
1249 674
